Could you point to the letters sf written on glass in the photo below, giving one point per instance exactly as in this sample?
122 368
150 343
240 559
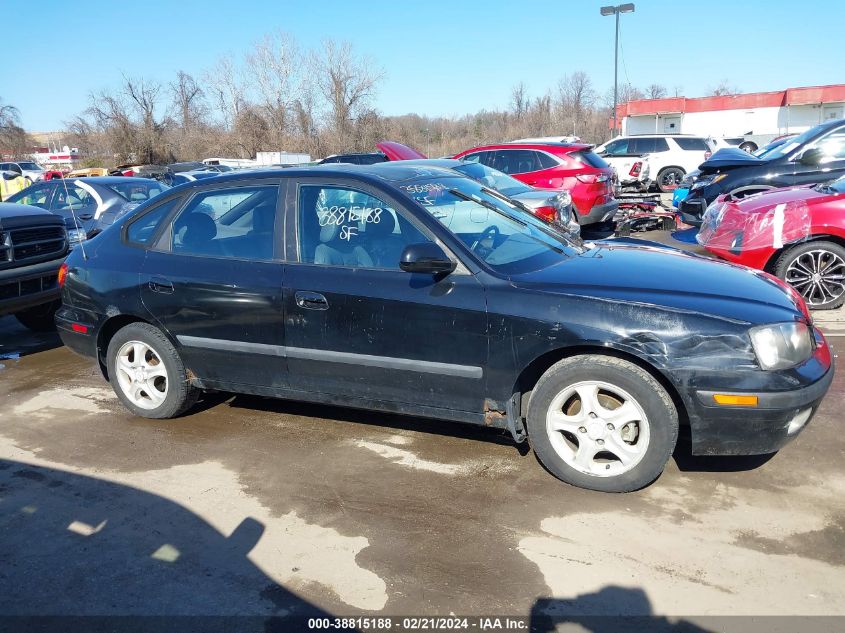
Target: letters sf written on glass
346 216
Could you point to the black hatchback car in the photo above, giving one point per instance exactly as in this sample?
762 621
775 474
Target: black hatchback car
817 155
416 290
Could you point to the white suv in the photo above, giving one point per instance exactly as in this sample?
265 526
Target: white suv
669 156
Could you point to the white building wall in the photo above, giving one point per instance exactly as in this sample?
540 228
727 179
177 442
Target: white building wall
752 122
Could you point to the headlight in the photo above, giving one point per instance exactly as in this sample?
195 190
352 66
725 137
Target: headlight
781 345
708 180
75 236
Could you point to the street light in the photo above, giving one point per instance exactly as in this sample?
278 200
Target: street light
619 8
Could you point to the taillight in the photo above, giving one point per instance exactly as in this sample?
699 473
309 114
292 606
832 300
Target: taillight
62 275
587 178
548 214
635 169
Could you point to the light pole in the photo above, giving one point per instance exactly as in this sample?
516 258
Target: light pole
611 10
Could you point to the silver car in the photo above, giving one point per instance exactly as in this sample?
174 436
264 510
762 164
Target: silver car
554 207
25 168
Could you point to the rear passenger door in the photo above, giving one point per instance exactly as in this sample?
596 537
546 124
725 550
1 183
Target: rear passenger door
213 281
357 325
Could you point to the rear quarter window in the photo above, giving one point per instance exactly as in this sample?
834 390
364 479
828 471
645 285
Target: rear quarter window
141 230
692 144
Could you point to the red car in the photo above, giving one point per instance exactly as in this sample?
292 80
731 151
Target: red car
796 233
574 167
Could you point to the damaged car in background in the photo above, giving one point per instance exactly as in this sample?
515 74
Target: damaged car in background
796 233
418 291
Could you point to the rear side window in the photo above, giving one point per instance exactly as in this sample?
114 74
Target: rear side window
142 230
586 157
237 223
516 161
692 144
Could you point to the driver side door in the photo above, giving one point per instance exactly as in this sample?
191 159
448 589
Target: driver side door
357 326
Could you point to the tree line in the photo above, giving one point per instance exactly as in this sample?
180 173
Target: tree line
279 96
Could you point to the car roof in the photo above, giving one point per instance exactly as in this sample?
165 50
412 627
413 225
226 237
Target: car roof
390 172
111 180
565 147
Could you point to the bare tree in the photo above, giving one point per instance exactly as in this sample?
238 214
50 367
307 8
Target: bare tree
346 81
13 139
519 101
723 88
225 85
677 90
655 91
187 100
272 68
575 97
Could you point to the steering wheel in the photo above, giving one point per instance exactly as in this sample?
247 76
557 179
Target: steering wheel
491 233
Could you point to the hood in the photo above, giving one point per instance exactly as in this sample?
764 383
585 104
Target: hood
728 158
667 278
767 199
13 215
397 151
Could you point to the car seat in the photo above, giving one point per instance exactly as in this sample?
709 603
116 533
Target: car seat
383 245
335 251
199 236
261 234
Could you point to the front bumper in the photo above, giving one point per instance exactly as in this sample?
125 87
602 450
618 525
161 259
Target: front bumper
599 213
766 428
29 286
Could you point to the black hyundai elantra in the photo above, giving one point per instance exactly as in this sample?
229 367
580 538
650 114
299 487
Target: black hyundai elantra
415 290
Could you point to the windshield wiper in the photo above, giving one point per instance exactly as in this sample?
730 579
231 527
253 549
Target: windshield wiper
508 201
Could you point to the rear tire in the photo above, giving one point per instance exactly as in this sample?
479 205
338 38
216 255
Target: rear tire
669 178
147 374
817 271
602 423
40 318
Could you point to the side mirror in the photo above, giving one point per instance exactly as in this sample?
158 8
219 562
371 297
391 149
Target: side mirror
811 157
425 257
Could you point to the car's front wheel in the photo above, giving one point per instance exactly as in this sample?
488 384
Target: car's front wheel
602 423
817 271
147 374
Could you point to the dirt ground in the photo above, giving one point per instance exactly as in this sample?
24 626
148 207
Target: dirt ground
253 506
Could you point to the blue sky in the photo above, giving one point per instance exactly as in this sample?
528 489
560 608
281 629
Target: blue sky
438 57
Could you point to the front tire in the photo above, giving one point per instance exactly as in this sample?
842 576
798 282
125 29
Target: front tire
147 374
602 423
40 318
817 271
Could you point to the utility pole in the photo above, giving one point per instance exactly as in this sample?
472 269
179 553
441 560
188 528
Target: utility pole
615 11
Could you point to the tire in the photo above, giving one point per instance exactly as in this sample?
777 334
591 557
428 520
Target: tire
748 146
798 266
668 179
643 402
40 318
156 396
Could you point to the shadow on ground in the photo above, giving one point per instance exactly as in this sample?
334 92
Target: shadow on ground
17 341
78 546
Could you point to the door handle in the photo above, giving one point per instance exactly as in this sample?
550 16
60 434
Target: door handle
162 285
86 217
311 300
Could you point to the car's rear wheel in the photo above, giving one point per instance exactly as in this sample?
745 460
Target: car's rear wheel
40 318
669 178
147 374
817 271
602 423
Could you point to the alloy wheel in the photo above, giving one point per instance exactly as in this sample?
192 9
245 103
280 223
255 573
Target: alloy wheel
598 428
818 275
141 374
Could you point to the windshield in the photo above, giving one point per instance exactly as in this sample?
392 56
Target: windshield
30 166
505 238
138 191
790 144
493 178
